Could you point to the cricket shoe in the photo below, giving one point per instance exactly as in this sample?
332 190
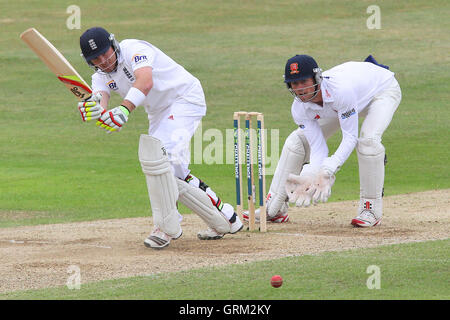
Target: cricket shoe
281 217
366 219
211 234
159 239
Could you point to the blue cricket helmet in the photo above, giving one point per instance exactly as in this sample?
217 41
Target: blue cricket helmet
300 67
95 42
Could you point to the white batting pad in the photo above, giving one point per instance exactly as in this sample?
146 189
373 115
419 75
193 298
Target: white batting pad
371 174
161 185
295 153
199 202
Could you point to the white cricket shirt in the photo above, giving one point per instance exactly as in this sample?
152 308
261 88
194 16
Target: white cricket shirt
171 82
347 89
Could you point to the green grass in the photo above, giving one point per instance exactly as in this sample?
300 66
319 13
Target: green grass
69 171
56 169
409 271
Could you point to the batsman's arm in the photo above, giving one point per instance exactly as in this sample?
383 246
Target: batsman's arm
140 89
105 99
114 119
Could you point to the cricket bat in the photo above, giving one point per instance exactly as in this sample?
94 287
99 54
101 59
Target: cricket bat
56 62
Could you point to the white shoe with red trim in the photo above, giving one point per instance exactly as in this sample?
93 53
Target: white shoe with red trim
366 219
281 217
370 213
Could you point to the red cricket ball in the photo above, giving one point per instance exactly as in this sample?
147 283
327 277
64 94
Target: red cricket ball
276 281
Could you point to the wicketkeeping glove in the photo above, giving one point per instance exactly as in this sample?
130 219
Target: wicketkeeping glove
299 189
114 119
324 181
91 108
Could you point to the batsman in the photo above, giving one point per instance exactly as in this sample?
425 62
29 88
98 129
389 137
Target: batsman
323 104
175 104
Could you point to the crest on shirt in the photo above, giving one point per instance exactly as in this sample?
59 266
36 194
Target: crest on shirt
294 68
112 85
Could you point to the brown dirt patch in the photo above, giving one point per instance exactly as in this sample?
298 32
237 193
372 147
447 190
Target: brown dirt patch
12 215
34 257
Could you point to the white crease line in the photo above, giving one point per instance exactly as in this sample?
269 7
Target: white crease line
98 246
44 242
14 241
289 234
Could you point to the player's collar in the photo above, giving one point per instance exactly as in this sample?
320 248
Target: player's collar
307 105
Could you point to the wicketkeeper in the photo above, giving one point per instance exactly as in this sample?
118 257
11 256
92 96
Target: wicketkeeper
175 103
323 103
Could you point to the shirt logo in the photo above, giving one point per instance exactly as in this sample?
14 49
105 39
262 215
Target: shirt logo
138 58
348 114
92 44
128 74
294 68
112 85
317 116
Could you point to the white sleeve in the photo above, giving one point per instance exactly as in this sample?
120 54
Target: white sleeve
98 84
310 128
317 143
140 55
348 119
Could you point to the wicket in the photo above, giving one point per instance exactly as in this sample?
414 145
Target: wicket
251 189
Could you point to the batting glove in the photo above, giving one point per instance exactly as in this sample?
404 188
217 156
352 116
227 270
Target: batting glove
114 119
299 189
324 181
91 108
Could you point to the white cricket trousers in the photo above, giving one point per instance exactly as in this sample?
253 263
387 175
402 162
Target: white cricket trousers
175 133
378 114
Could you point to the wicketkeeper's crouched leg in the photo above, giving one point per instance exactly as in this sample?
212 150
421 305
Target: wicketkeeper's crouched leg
294 155
371 160
372 156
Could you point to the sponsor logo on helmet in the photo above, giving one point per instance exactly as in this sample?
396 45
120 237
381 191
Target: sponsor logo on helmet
348 114
294 68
